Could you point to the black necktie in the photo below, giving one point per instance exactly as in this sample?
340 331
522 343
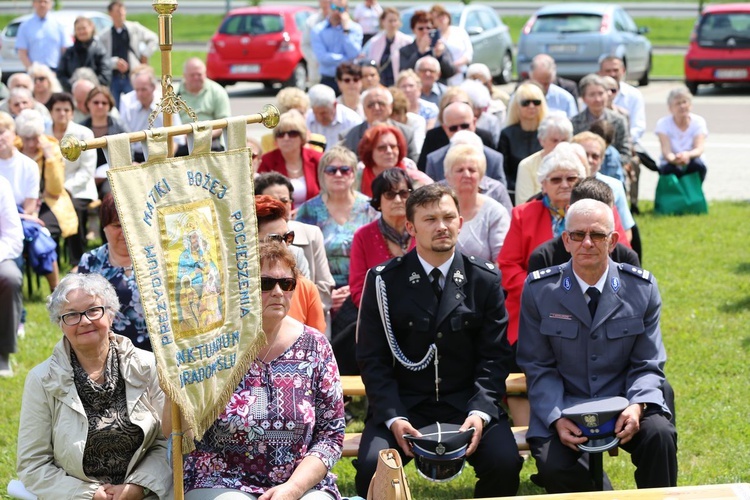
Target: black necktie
435 274
594 295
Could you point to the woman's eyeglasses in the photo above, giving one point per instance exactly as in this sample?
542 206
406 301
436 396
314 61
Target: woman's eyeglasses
267 284
287 237
39 79
292 134
385 147
98 103
579 236
338 8
391 195
347 79
525 103
333 170
92 313
460 126
571 179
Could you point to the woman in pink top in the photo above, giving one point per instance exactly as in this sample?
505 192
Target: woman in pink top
386 237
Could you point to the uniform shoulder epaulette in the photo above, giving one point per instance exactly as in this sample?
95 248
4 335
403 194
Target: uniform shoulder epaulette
545 273
387 266
483 264
637 271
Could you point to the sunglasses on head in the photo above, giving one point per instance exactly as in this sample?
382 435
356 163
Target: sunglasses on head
391 195
593 236
526 102
571 179
292 134
333 170
460 126
287 237
267 284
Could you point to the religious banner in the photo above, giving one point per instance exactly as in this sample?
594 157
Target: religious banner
190 228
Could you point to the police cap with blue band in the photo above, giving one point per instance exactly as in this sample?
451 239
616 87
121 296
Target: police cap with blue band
440 452
597 419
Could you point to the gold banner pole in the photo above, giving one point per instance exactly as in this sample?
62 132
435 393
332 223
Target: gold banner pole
165 8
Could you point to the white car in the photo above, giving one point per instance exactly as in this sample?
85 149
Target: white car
9 62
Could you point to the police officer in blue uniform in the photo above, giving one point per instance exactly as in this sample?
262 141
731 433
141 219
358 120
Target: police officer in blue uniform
431 347
590 329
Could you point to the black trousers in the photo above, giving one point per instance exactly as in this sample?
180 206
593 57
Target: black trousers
77 243
496 461
653 450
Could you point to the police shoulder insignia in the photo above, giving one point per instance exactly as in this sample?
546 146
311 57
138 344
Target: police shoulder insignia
545 273
637 271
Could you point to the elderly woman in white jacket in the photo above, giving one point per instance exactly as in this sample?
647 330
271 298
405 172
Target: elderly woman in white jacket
90 415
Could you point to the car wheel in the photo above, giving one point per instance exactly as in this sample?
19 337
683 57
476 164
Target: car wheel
645 78
299 77
506 69
692 87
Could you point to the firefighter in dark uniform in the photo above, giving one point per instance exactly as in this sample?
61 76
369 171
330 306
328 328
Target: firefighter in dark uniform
432 347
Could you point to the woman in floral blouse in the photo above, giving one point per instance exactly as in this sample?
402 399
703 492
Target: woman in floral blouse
283 430
112 261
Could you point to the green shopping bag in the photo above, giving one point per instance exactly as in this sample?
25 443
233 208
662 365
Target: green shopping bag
680 196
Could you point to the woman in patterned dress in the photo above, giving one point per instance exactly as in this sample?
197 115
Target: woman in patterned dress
283 429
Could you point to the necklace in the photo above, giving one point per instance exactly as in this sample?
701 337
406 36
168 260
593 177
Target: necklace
270 349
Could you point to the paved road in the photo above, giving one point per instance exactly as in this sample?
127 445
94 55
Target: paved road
727 147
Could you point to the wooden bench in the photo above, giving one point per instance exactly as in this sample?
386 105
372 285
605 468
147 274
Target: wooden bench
515 385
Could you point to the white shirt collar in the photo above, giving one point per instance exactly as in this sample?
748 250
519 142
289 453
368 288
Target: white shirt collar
599 285
444 267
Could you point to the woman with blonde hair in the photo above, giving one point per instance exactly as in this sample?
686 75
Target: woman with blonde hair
45 82
518 140
292 159
456 40
410 84
486 222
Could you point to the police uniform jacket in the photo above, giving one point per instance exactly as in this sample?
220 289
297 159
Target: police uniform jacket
568 358
467 326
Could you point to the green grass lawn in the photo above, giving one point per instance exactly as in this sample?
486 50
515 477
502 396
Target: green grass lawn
703 269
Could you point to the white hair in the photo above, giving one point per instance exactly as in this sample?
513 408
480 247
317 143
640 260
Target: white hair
478 69
563 157
29 123
386 94
321 95
555 122
91 284
588 207
478 94
427 59
467 137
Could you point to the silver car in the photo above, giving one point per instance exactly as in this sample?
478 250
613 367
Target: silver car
489 36
9 62
579 35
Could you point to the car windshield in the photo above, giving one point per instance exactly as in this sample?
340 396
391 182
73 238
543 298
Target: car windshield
567 23
12 29
725 30
252 24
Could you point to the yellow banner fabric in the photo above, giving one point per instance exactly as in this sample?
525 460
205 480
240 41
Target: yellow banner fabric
191 232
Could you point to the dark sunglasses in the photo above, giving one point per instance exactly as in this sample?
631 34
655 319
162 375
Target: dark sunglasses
526 102
338 8
40 78
423 28
391 195
267 284
354 79
613 91
333 170
292 134
461 126
92 313
571 179
287 237
579 236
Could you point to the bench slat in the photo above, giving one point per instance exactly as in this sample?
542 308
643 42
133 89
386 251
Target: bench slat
353 386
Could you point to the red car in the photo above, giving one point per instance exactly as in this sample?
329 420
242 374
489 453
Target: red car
260 44
719 49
